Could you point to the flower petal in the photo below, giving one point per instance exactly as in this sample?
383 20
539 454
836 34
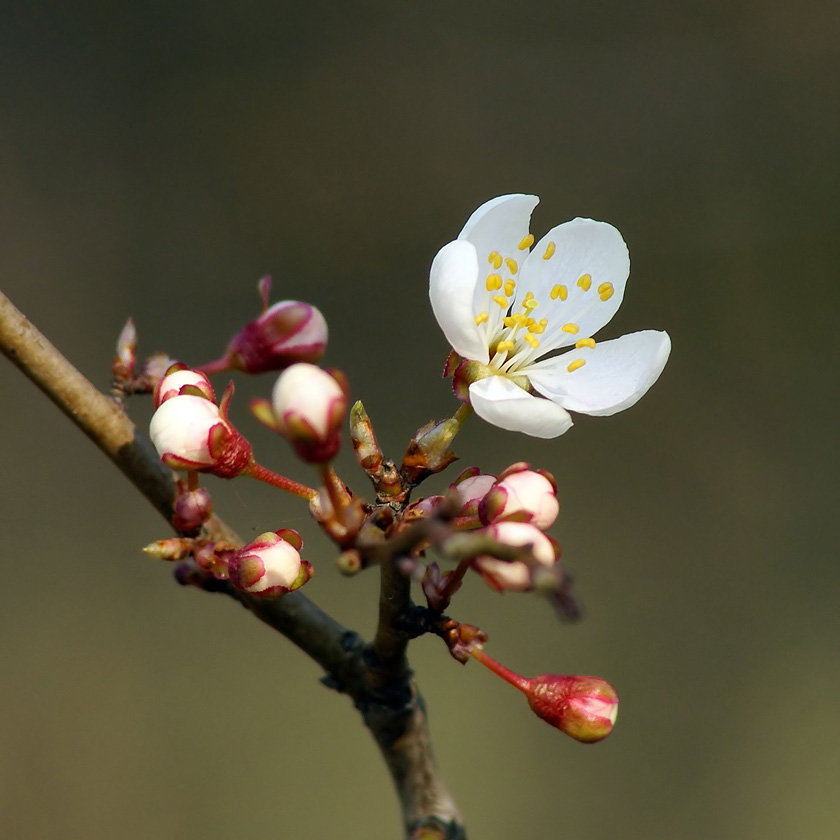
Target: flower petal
504 404
452 282
500 225
616 374
591 261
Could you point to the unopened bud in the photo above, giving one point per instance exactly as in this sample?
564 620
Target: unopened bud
310 406
192 509
180 380
286 333
471 487
193 433
429 451
175 548
126 357
525 496
270 566
515 575
585 708
365 445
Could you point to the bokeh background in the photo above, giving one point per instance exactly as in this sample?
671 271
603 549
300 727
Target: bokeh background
157 158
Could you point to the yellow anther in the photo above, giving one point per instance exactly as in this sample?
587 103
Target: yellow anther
530 303
481 318
526 243
538 328
577 364
603 287
504 346
495 259
585 342
514 320
572 329
510 285
585 281
559 291
501 300
605 291
494 282
532 340
549 251
512 265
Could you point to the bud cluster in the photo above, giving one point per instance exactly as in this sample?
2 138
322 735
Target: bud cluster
493 527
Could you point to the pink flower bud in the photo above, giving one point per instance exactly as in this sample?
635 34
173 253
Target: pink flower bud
192 433
286 333
310 406
525 496
515 575
180 380
270 566
192 509
471 489
585 708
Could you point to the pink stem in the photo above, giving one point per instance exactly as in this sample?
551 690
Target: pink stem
522 683
214 367
263 474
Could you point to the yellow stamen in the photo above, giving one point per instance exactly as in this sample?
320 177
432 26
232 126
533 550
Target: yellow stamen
481 318
572 329
495 259
532 340
530 303
494 282
538 328
504 346
512 265
510 285
501 300
585 281
559 291
575 365
549 251
605 291
526 243
585 342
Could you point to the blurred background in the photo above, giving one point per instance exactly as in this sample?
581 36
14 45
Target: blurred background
156 159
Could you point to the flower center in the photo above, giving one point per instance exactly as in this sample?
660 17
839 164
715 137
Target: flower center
515 336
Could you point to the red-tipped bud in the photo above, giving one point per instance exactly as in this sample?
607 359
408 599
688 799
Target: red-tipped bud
284 334
585 708
270 566
193 433
525 496
191 510
179 381
310 406
516 575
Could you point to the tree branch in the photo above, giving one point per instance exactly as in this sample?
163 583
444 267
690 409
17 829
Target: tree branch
376 677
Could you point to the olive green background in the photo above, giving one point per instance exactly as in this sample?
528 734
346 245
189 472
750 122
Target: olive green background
157 158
